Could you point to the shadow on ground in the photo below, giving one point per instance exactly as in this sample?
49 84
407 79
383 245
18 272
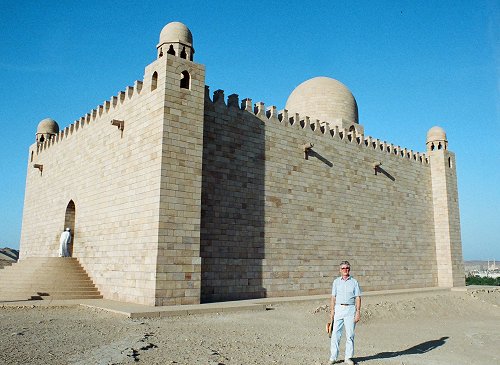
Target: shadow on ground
421 348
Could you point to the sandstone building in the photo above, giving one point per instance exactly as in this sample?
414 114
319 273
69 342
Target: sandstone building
176 196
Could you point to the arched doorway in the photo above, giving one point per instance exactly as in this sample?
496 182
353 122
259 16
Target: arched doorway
69 222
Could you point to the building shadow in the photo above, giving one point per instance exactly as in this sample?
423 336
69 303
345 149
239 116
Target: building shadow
380 170
232 205
321 158
421 348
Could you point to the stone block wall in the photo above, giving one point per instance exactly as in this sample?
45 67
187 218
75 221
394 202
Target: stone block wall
113 178
232 204
178 278
277 224
199 200
450 265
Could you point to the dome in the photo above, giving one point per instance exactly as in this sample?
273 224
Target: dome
47 125
325 99
176 32
436 134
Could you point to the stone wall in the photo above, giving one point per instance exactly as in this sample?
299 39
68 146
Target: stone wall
199 200
277 224
450 265
113 178
137 192
232 204
178 278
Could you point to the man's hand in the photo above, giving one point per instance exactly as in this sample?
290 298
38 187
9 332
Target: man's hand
357 316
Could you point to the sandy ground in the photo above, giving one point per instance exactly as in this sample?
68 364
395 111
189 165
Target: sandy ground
424 328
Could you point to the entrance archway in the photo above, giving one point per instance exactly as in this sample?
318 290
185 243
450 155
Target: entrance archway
69 222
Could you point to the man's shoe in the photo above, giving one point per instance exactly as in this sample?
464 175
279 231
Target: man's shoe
349 362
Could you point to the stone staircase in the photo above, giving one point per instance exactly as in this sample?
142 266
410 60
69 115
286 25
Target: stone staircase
46 278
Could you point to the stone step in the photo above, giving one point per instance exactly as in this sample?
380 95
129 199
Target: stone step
46 287
22 278
28 267
68 296
33 296
45 272
51 293
46 260
60 276
45 278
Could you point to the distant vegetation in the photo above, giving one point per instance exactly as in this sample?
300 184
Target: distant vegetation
478 280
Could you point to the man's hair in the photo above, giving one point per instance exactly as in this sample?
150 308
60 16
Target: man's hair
345 263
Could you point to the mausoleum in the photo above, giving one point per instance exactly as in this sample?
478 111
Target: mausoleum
177 195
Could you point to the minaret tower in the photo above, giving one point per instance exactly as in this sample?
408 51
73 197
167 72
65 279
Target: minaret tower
450 270
177 95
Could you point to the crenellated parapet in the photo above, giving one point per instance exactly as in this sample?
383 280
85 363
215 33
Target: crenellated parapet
315 126
95 115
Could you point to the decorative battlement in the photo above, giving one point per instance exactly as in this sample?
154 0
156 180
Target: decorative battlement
101 111
271 114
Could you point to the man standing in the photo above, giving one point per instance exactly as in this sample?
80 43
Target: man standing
64 242
345 307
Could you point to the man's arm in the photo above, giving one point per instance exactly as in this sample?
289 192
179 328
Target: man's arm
332 308
357 316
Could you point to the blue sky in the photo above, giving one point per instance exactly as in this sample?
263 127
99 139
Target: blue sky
411 65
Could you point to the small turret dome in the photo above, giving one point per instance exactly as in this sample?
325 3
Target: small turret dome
176 39
46 129
436 134
176 32
325 99
47 126
436 139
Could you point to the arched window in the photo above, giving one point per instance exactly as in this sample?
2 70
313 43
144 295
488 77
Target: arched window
154 81
161 52
183 53
185 80
171 50
31 160
450 163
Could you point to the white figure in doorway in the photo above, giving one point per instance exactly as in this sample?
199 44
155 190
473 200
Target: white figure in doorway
64 242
